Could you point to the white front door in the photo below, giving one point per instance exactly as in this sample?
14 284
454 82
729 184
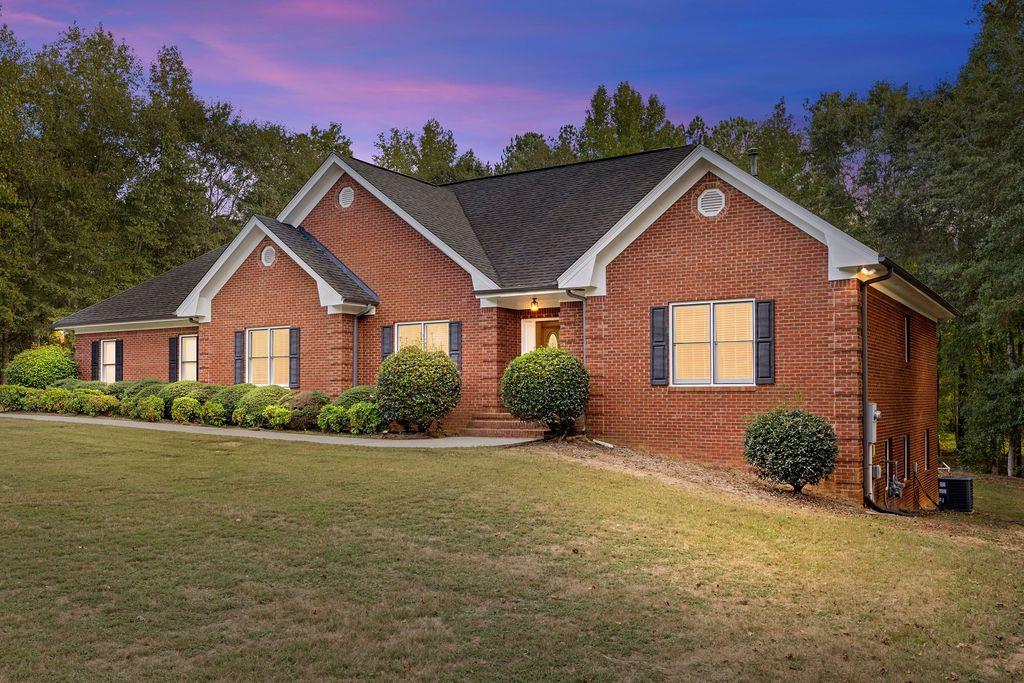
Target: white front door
538 332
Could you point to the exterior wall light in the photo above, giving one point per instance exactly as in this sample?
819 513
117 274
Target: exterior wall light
534 306
867 271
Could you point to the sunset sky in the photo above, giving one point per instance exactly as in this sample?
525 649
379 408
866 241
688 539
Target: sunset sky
490 70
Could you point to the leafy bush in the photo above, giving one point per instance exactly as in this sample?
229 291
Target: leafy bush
791 447
129 407
149 408
55 400
416 388
76 404
30 401
184 409
69 383
212 413
146 388
332 418
238 417
175 390
305 407
276 416
230 396
365 418
255 401
357 394
12 397
42 366
121 389
101 404
204 392
549 385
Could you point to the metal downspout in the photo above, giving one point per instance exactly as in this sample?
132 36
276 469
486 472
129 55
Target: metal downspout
583 298
869 496
355 343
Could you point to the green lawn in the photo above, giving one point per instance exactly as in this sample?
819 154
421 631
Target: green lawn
134 554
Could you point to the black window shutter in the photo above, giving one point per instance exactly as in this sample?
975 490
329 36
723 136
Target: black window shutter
387 341
95 368
239 357
455 343
764 342
118 360
293 358
659 345
172 359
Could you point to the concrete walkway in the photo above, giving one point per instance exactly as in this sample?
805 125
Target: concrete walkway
339 440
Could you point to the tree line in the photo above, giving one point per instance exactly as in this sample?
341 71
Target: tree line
112 171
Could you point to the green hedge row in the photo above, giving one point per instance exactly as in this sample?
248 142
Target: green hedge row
245 405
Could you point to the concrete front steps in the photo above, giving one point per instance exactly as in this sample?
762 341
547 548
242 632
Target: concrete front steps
500 424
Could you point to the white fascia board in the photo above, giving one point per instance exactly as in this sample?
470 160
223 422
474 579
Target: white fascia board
198 303
845 254
162 324
325 178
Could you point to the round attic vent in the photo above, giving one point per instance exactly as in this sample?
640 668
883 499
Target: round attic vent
346 197
711 202
268 256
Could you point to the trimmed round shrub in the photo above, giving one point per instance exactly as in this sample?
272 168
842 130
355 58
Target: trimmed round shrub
69 383
101 404
42 366
276 416
175 390
416 388
365 418
238 417
55 400
119 389
149 408
12 398
79 397
184 409
146 388
332 418
30 401
204 392
305 407
212 413
255 401
792 447
358 394
129 407
546 385
230 396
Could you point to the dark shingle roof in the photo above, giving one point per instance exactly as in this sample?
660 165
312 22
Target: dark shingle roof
322 262
535 224
154 299
436 208
519 229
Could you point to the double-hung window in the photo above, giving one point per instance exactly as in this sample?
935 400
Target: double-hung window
108 361
428 336
713 343
188 357
267 356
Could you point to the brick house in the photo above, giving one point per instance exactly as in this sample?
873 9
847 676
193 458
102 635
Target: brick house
696 295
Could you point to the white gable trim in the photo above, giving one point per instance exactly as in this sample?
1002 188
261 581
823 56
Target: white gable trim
197 304
845 254
325 178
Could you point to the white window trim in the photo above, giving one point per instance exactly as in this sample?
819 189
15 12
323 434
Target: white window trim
423 332
181 354
270 356
672 343
103 346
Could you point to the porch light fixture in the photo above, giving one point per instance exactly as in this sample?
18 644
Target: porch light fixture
534 306
867 271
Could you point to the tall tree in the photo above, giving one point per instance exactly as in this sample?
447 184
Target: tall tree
624 123
432 155
532 150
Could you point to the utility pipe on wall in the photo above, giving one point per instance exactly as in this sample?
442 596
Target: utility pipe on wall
869 497
583 299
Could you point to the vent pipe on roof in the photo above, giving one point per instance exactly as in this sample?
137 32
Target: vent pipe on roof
752 157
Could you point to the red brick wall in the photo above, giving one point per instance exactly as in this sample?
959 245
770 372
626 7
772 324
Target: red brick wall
905 394
281 295
145 352
745 252
415 281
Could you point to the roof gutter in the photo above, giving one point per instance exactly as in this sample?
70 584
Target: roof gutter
917 284
581 298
